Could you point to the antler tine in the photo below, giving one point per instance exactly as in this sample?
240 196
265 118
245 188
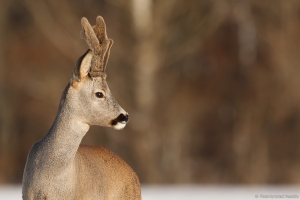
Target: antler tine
89 36
100 29
106 56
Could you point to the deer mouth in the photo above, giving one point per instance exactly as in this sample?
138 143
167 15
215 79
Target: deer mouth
120 122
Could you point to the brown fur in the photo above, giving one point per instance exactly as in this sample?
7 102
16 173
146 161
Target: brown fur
115 187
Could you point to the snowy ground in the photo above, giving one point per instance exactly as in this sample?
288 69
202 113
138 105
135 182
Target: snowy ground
193 192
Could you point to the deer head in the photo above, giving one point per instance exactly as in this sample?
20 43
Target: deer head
88 93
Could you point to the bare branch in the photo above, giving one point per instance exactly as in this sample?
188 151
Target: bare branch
47 24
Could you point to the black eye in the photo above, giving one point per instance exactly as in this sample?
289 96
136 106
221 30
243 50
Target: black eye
99 94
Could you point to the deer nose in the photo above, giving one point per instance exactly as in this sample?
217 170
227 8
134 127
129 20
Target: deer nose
121 118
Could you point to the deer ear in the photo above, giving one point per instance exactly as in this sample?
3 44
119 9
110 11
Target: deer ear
82 67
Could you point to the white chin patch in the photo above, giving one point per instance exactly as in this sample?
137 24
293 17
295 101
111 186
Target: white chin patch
119 125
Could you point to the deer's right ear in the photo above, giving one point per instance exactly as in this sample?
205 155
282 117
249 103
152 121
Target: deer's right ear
82 67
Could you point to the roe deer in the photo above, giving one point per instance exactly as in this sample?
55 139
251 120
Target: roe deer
58 166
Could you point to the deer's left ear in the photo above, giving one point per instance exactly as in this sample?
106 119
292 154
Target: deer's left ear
82 67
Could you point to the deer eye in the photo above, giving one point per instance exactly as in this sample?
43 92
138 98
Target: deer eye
99 94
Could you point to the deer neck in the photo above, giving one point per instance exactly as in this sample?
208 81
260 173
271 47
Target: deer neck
64 137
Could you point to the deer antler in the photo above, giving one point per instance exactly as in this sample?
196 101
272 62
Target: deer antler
98 42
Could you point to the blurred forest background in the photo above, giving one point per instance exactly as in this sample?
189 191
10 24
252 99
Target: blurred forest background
212 87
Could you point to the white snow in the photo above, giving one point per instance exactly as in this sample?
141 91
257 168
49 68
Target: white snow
193 192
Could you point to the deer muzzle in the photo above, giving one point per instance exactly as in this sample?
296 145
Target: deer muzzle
120 122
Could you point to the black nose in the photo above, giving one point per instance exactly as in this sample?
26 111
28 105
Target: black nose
121 118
